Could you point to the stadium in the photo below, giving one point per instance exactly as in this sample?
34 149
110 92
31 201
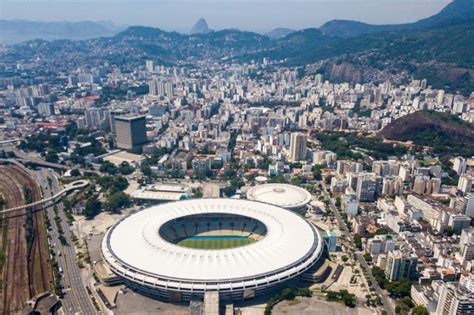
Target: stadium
287 196
240 248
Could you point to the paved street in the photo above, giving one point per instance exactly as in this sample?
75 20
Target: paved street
76 299
387 304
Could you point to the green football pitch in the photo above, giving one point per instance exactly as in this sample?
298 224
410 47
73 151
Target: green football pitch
215 243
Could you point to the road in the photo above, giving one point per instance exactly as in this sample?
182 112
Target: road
382 294
76 300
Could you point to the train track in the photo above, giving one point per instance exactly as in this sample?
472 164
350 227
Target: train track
37 248
19 271
14 270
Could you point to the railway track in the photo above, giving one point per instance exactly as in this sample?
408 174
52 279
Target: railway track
14 270
37 249
21 267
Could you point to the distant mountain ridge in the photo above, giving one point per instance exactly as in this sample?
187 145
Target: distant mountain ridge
441 51
279 32
15 31
460 10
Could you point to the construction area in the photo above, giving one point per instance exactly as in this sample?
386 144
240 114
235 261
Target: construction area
24 252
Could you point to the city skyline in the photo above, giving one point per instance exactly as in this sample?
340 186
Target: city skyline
258 16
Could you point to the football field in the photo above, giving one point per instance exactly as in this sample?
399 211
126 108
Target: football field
215 242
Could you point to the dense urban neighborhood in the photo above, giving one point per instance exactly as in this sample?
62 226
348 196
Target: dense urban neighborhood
225 179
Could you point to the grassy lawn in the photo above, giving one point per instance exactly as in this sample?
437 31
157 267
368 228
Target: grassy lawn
215 243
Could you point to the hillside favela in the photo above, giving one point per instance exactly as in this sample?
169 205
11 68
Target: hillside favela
237 157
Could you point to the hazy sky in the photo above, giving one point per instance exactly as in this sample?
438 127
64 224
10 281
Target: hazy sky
254 15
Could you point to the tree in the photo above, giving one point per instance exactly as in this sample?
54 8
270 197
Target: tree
420 310
125 168
109 168
75 172
343 295
317 172
111 143
92 208
358 241
116 201
399 288
379 276
367 257
113 183
197 192
287 294
146 170
407 301
52 157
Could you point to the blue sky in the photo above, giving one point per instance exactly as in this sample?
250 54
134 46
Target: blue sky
253 15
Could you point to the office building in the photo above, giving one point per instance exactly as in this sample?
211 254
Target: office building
297 147
130 131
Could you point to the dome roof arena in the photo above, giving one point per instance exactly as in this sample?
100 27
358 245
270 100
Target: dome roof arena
282 195
189 247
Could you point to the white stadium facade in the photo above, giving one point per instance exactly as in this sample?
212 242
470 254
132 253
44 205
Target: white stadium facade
272 246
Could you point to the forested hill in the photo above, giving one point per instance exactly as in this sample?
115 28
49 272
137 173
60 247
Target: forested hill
445 133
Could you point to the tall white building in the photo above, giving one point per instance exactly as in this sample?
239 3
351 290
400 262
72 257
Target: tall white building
454 298
465 184
400 265
460 165
97 118
470 205
149 66
46 109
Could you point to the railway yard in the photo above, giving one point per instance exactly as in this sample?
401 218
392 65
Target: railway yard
25 260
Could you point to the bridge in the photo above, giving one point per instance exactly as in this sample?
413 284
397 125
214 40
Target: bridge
9 142
78 184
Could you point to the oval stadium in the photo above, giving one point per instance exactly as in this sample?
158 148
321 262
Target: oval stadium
283 195
238 248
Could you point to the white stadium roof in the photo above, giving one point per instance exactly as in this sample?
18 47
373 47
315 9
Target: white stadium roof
283 195
135 249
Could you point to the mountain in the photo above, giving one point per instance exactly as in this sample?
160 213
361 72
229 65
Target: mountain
460 10
279 33
442 51
15 31
443 132
348 28
200 27
443 54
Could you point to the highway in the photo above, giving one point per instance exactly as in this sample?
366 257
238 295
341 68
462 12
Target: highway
382 294
76 299
43 202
